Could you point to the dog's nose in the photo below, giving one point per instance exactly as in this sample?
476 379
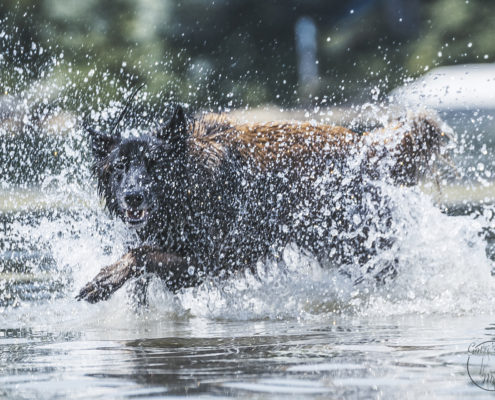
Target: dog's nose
134 199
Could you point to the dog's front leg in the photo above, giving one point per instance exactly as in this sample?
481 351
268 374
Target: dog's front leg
133 264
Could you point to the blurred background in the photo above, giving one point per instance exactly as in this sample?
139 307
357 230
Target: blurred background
238 53
332 60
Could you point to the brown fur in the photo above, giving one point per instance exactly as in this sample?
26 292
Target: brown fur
270 145
278 145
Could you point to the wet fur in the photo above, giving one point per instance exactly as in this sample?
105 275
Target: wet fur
226 195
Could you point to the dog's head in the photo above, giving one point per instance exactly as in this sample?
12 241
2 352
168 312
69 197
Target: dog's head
138 174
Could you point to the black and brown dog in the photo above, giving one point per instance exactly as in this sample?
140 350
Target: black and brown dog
211 196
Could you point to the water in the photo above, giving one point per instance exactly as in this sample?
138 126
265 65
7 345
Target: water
301 331
330 357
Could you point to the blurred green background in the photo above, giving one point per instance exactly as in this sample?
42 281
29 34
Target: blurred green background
238 53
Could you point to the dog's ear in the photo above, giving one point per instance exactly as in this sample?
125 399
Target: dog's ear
175 131
101 143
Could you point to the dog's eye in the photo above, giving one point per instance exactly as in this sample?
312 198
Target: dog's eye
119 166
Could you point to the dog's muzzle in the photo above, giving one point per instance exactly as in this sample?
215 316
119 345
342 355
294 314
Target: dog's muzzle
135 208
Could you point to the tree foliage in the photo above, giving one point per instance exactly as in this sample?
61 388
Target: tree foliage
236 53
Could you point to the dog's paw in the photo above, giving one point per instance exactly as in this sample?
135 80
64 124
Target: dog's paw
109 280
96 290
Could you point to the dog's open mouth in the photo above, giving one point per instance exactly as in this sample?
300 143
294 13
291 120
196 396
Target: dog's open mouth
136 217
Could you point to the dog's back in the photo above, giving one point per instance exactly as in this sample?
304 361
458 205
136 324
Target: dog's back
410 143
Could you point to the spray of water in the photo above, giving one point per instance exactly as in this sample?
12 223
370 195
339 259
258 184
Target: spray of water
56 235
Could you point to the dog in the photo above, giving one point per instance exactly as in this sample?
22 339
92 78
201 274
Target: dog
209 196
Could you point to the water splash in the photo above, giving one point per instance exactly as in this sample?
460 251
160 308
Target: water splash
443 268
57 236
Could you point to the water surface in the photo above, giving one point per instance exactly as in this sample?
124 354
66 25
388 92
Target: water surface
145 357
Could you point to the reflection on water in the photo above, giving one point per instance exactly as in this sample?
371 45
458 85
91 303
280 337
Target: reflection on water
408 357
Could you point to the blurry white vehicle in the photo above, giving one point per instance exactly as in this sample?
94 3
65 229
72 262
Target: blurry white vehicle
458 87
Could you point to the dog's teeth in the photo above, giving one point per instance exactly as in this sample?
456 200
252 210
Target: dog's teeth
138 214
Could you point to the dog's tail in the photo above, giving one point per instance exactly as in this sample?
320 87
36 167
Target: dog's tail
408 147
